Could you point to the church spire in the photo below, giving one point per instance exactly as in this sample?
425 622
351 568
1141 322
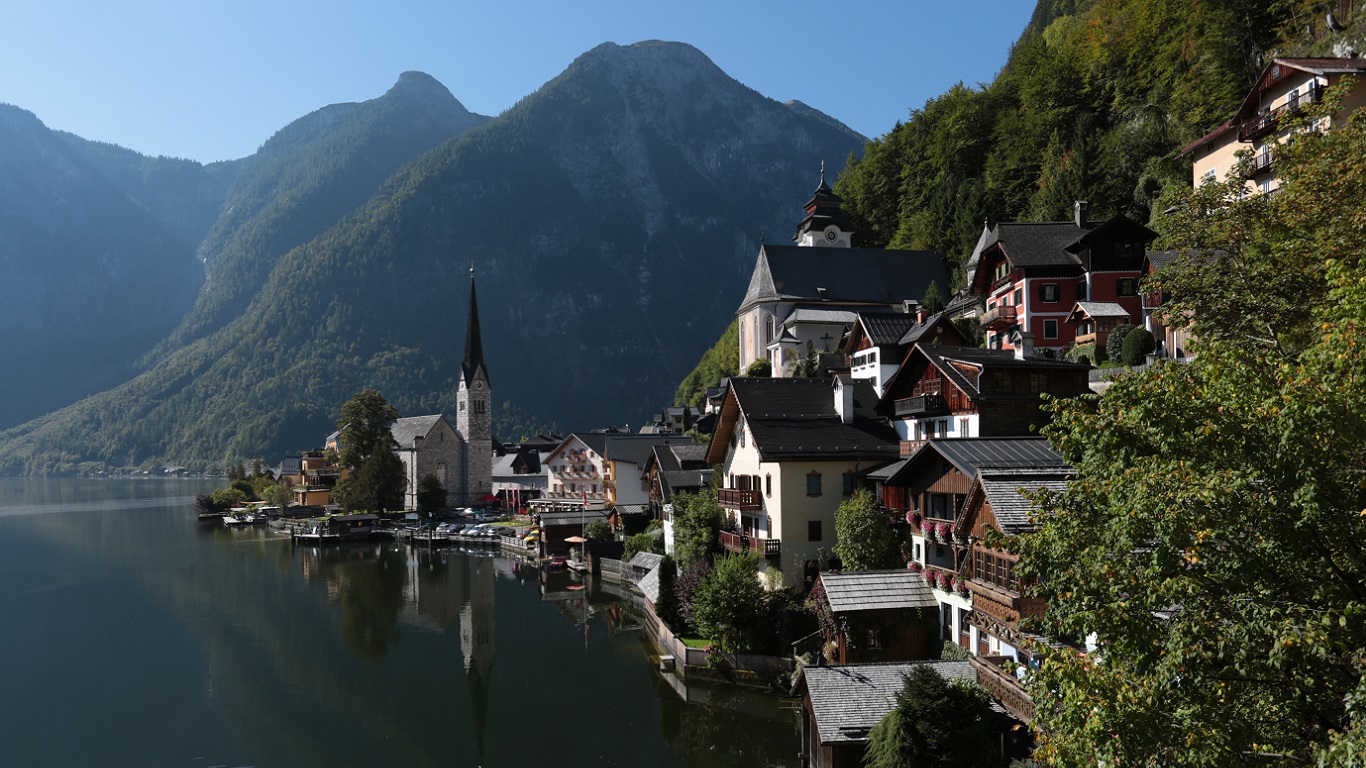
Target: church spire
474 345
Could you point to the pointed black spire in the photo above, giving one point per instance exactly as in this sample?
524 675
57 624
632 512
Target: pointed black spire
474 345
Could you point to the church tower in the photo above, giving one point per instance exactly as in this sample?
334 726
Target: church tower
826 223
473 406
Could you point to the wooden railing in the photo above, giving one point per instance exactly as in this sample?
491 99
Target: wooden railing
1266 123
909 447
1003 686
998 315
745 501
738 542
923 405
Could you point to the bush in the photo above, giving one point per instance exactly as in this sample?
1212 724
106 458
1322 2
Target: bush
685 584
761 368
431 494
728 606
598 530
1137 345
1114 345
651 540
1086 353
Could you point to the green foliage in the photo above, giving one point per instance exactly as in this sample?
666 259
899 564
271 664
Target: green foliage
364 426
934 724
1210 538
431 494
761 368
379 484
809 366
667 607
1114 343
597 530
1089 353
277 496
696 524
934 298
224 498
651 540
1138 343
248 490
377 480
865 538
728 606
718 363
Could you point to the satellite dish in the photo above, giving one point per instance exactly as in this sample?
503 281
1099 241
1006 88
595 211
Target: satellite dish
1333 23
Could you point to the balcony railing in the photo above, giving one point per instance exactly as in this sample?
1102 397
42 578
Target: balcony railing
909 447
1001 316
745 501
924 405
1259 163
1264 124
738 542
1003 686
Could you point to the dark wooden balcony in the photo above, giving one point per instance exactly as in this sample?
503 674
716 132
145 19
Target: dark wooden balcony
1005 607
1263 124
909 447
1259 164
999 317
924 405
771 549
1003 686
745 501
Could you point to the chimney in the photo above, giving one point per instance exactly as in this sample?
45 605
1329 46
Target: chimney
844 398
1024 344
1079 213
920 314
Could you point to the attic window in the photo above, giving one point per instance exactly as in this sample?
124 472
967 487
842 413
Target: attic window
821 292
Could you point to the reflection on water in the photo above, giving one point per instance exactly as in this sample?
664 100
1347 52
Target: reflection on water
173 642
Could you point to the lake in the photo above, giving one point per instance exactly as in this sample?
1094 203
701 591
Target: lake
134 635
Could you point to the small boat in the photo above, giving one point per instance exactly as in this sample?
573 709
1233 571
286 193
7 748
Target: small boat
555 563
231 519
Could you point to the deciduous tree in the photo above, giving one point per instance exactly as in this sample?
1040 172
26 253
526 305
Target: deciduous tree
864 537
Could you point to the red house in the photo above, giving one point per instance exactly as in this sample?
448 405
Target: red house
1033 275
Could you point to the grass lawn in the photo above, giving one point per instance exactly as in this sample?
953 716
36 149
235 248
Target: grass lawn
695 642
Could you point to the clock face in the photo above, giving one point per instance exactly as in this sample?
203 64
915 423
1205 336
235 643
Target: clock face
831 234
478 385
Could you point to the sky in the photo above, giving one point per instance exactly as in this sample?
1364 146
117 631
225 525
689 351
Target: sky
213 81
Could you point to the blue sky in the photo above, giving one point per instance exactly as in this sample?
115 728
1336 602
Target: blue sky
213 80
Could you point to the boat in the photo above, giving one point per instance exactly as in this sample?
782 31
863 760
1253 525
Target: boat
555 563
234 519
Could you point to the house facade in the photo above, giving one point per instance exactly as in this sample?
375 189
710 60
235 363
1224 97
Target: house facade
879 341
428 445
1284 89
1031 276
577 469
790 451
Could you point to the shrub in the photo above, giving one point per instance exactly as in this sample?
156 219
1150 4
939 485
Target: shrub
1137 345
761 368
1114 345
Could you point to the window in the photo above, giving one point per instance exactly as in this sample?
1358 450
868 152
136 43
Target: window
1048 292
813 530
1081 290
1019 297
813 485
874 639
768 485
1050 329
964 427
1038 382
1002 270
1209 177
741 430
848 483
917 552
1126 286
929 429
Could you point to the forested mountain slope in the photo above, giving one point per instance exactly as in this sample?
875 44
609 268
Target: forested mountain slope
612 217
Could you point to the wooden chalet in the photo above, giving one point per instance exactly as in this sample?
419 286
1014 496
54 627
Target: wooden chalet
876 616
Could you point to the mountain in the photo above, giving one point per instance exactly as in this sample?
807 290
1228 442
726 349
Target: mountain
96 259
612 217
304 179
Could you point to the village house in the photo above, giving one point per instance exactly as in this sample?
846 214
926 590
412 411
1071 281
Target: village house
869 616
1033 275
674 469
803 298
1284 89
997 502
879 341
577 468
956 392
928 490
789 452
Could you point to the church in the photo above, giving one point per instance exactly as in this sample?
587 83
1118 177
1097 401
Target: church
461 458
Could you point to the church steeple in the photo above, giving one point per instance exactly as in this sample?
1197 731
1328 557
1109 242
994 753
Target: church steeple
474 345
826 223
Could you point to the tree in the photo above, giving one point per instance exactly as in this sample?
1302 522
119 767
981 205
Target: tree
223 498
431 494
697 523
864 537
1209 541
728 606
597 530
809 366
1114 343
934 724
278 496
1137 346
761 368
377 480
667 607
934 298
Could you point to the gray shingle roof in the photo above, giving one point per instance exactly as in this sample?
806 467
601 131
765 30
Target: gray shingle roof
647 560
1001 488
877 591
574 517
964 365
1095 309
849 700
971 454
885 328
793 418
684 480
1042 244
649 585
848 275
636 449
405 429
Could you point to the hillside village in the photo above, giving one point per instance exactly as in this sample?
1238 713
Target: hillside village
862 377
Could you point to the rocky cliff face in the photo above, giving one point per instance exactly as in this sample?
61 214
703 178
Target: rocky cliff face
612 216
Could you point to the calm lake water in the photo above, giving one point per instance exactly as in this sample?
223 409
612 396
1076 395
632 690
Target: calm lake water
131 635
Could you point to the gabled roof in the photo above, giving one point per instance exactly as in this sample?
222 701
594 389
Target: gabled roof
405 429
1001 490
681 480
885 328
572 517
877 591
848 276
594 441
964 366
636 449
969 455
849 700
1160 259
1053 245
1098 309
796 418
646 560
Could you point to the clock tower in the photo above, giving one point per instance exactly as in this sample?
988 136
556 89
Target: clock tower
826 224
473 406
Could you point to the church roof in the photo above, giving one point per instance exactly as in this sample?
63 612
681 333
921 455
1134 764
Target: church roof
405 429
473 365
851 277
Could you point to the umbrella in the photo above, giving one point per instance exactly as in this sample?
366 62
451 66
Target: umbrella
575 540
